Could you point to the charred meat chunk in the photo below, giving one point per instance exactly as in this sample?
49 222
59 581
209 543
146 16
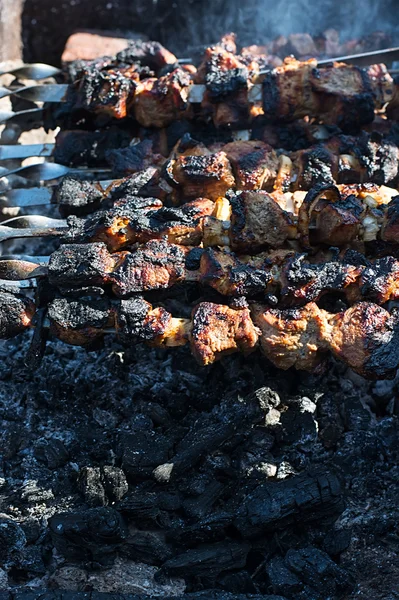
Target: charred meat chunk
158 102
139 220
315 166
77 197
255 164
136 320
258 221
108 92
208 176
218 330
144 183
150 54
78 148
232 277
80 264
16 314
155 265
79 322
291 338
134 158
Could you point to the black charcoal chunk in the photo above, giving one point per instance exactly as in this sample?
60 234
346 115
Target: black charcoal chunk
51 452
210 431
274 505
93 535
142 451
316 570
148 547
207 561
12 540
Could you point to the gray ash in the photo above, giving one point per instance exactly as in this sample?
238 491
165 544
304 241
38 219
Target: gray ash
236 478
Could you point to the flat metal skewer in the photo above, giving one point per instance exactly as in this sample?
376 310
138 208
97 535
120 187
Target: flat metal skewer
9 233
10 151
33 71
46 171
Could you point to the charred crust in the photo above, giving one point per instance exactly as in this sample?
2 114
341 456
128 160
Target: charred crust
270 95
134 324
77 197
16 313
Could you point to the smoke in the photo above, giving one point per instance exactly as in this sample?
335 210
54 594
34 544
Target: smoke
198 22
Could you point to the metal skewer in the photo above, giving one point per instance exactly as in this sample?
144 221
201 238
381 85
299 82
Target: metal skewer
33 71
46 171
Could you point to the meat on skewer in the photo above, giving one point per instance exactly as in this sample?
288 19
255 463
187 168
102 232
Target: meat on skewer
286 277
343 94
365 336
247 221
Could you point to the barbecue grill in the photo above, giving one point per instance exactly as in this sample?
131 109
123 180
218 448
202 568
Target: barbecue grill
198 310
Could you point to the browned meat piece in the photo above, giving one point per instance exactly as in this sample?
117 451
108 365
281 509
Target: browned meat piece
231 276
339 215
255 164
107 92
134 158
218 330
139 220
258 221
156 265
226 77
159 102
79 322
345 95
288 93
338 224
342 95
16 314
209 176
365 337
327 44
292 338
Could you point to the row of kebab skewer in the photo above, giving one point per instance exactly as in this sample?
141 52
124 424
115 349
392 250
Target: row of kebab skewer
290 252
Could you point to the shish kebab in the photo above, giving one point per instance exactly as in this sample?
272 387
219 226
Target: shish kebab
246 221
226 88
194 169
365 336
284 277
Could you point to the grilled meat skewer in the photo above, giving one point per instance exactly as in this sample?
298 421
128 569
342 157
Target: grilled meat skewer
365 336
246 221
288 278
